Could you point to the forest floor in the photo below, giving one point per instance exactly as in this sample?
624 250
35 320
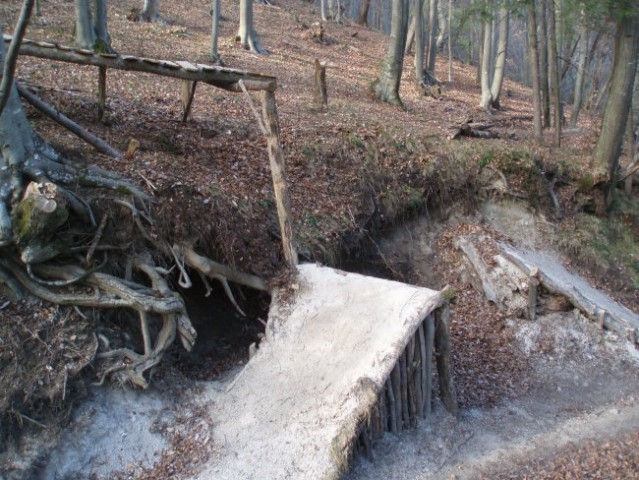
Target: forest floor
356 170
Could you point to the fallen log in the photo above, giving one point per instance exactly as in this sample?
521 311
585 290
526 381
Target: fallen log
592 303
465 129
67 123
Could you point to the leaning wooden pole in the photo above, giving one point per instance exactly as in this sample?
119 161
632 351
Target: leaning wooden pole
444 361
278 172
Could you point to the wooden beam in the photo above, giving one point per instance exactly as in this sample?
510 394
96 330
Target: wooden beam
225 78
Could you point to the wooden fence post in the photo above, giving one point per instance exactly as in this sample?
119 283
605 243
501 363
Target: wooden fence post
102 72
444 363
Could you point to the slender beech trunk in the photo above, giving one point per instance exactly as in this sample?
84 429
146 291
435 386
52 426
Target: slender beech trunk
151 10
246 34
419 42
410 36
543 60
486 96
450 41
100 24
364 7
578 94
500 60
386 87
215 29
84 33
432 37
553 72
534 68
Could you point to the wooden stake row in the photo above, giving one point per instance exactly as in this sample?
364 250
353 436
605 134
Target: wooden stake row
407 393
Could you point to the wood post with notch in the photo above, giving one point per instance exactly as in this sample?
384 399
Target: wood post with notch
188 92
278 172
321 95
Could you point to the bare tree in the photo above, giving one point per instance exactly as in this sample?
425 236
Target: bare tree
151 11
608 149
364 7
418 20
500 59
581 70
543 59
246 34
386 87
534 67
553 71
215 27
486 96
432 37
84 33
91 27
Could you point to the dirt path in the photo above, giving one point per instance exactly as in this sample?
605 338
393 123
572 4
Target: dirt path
586 389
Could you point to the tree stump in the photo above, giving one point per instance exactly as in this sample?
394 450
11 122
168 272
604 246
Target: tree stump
321 95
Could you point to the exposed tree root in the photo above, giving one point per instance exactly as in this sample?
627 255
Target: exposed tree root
34 262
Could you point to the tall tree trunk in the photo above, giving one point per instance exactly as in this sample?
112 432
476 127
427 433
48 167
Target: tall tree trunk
215 29
486 96
534 68
450 41
543 60
84 33
100 20
151 10
410 36
419 42
386 87
432 37
500 61
442 30
324 15
246 34
553 72
364 7
607 151
578 94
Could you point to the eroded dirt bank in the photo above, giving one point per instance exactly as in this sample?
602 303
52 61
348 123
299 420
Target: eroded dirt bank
528 390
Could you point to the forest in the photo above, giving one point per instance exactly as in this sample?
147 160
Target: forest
166 167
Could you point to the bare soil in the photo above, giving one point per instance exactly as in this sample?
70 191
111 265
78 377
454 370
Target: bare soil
355 170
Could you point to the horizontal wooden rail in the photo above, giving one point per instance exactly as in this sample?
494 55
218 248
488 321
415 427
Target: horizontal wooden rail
225 78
